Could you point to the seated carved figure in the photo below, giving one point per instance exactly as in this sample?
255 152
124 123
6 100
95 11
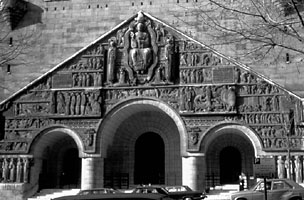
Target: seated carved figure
140 53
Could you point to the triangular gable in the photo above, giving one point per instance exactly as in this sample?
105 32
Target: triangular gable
145 57
114 32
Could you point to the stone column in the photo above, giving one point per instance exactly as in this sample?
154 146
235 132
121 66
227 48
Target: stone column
193 172
91 173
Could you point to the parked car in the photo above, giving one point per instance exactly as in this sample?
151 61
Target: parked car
174 192
277 189
116 196
98 191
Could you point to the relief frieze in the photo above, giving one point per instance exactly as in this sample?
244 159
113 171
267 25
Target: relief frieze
77 103
17 138
167 94
35 96
14 146
79 123
32 108
206 121
61 103
206 99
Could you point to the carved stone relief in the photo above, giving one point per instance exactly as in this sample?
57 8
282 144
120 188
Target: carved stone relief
206 99
79 103
15 169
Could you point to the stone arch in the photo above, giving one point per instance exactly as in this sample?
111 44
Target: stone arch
239 129
57 152
126 122
122 110
36 144
219 139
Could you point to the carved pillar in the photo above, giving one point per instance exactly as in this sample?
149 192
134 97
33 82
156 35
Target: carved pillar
92 173
193 172
281 167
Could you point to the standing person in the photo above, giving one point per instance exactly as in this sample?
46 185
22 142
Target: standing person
242 178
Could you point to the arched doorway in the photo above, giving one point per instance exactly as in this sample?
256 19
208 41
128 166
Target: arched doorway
143 123
230 151
230 165
57 160
149 159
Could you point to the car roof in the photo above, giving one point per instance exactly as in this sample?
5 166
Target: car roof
290 182
95 189
151 196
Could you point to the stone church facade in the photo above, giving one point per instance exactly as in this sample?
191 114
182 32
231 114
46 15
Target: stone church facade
145 103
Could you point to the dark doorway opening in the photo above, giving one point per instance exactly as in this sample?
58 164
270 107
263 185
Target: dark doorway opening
61 167
230 165
149 159
71 169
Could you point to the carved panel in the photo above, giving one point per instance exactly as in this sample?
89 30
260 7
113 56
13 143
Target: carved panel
206 99
167 94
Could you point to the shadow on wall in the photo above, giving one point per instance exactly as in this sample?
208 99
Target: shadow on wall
32 16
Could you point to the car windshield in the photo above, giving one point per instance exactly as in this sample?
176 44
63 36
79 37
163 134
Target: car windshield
260 185
146 190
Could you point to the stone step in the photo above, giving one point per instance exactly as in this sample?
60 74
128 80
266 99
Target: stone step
47 194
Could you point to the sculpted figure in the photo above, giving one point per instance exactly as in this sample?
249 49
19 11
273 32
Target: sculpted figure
5 170
83 103
77 105
68 101
183 59
12 169
96 108
281 167
26 170
194 138
169 56
298 169
122 77
72 104
229 98
287 166
141 53
111 61
19 171
60 103
160 32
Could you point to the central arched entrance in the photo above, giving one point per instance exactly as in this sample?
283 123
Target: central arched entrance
230 165
141 143
149 159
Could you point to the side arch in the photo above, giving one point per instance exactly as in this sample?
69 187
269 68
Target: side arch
238 129
125 109
52 133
